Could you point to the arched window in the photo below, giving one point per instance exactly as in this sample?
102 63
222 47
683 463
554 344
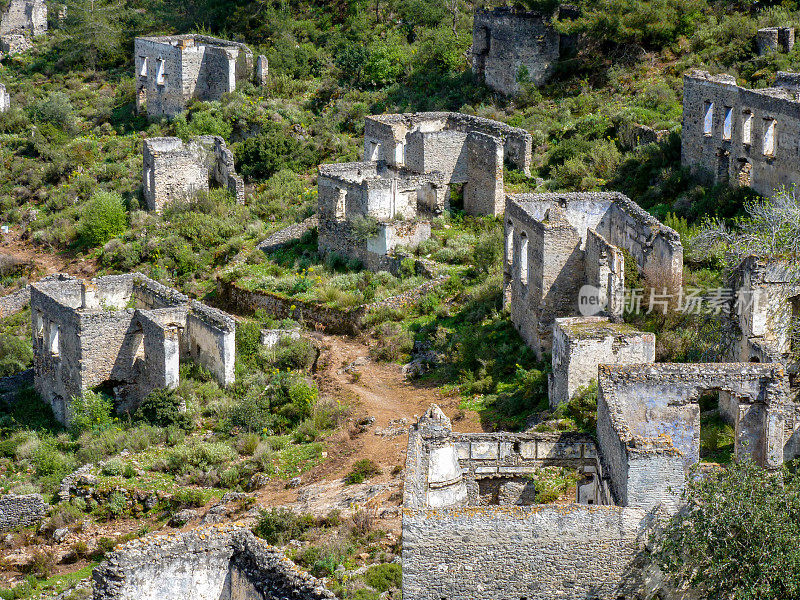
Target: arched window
523 258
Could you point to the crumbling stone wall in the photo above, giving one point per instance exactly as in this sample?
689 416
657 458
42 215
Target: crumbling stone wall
174 170
454 546
483 191
775 39
648 422
764 323
399 202
289 234
557 243
212 563
741 136
507 43
5 99
122 331
581 344
20 22
396 139
171 70
332 320
21 511
632 135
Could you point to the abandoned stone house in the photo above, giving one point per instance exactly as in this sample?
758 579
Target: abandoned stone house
510 46
124 334
175 170
742 136
411 162
21 21
775 39
172 70
555 244
219 562
401 204
473 522
582 344
765 318
5 99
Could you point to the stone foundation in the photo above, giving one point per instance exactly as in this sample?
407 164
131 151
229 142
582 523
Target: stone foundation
21 511
212 563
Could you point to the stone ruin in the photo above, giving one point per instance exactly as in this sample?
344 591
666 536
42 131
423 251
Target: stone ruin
20 23
741 136
775 39
508 43
176 170
125 334
473 524
219 562
766 328
21 510
172 70
558 243
5 99
411 161
581 344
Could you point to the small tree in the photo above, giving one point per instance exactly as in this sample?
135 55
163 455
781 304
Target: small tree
94 32
103 218
91 411
737 537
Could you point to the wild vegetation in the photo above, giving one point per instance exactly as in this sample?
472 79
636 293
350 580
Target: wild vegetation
70 182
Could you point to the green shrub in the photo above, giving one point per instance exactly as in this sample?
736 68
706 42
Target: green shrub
164 408
279 525
117 504
49 462
262 156
113 467
582 408
91 412
199 455
384 577
56 109
361 471
188 497
102 218
16 354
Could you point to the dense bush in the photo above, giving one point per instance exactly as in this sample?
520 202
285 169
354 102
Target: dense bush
363 469
384 577
16 354
262 156
102 218
163 408
91 411
280 525
718 543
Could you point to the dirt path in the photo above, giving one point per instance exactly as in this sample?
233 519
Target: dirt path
380 391
47 262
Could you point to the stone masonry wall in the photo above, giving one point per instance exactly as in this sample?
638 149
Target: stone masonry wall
538 552
212 563
741 136
174 170
21 511
581 344
333 320
648 422
172 70
505 41
483 192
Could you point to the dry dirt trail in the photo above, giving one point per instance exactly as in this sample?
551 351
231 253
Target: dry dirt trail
47 262
377 390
